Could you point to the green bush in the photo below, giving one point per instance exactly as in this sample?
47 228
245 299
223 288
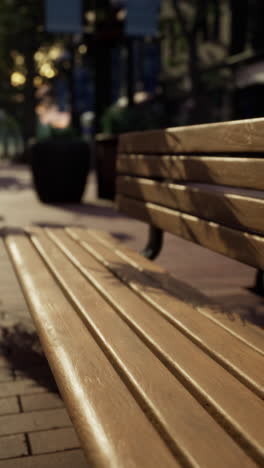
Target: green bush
143 116
45 132
10 136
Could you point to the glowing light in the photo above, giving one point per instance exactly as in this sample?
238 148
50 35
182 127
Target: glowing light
55 52
47 71
17 79
39 55
121 15
90 16
82 49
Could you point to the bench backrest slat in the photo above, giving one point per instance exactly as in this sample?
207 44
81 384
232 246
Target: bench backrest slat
239 245
228 208
245 136
180 181
244 172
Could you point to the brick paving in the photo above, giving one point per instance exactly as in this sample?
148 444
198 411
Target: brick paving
35 429
62 459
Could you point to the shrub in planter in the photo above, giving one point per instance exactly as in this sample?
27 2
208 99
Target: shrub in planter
59 167
117 119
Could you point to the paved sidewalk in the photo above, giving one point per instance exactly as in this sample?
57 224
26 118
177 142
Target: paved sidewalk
35 430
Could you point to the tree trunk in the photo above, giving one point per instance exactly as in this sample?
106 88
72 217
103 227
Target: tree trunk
130 71
103 81
191 34
239 26
30 104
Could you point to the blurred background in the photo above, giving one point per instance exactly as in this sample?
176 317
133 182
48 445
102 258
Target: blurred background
83 68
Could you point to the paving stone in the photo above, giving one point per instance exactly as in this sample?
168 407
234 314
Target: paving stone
20 387
40 370
41 401
73 458
13 446
4 362
9 405
23 375
35 421
6 374
12 303
19 374
53 441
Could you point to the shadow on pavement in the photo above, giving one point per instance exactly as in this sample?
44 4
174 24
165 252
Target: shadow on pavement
44 224
13 183
90 209
122 236
23 350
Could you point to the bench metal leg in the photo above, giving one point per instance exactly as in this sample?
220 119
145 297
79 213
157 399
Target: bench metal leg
155 242
259 283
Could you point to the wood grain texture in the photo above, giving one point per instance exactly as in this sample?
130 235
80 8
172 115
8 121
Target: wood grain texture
109 421
221 205
163 396
242 246
191 299
123 365
235 136
246 172
237 356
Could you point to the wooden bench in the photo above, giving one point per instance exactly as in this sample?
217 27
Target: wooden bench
152 375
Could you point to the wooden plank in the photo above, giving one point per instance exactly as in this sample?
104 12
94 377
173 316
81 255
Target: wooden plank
244 136
109 421
208 381
247 332
242 246
231 209
206 334
164 398
232 171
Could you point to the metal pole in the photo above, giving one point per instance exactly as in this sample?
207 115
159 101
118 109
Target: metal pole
130 71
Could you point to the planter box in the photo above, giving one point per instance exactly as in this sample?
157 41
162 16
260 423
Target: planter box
59 170
105 160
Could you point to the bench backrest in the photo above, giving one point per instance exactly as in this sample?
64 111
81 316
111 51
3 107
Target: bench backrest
204 183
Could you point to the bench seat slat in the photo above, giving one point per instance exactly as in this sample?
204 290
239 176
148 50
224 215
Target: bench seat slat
240 172
230 209
191 299
242 246
236 356
109 422
213 384
235 136
155 388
